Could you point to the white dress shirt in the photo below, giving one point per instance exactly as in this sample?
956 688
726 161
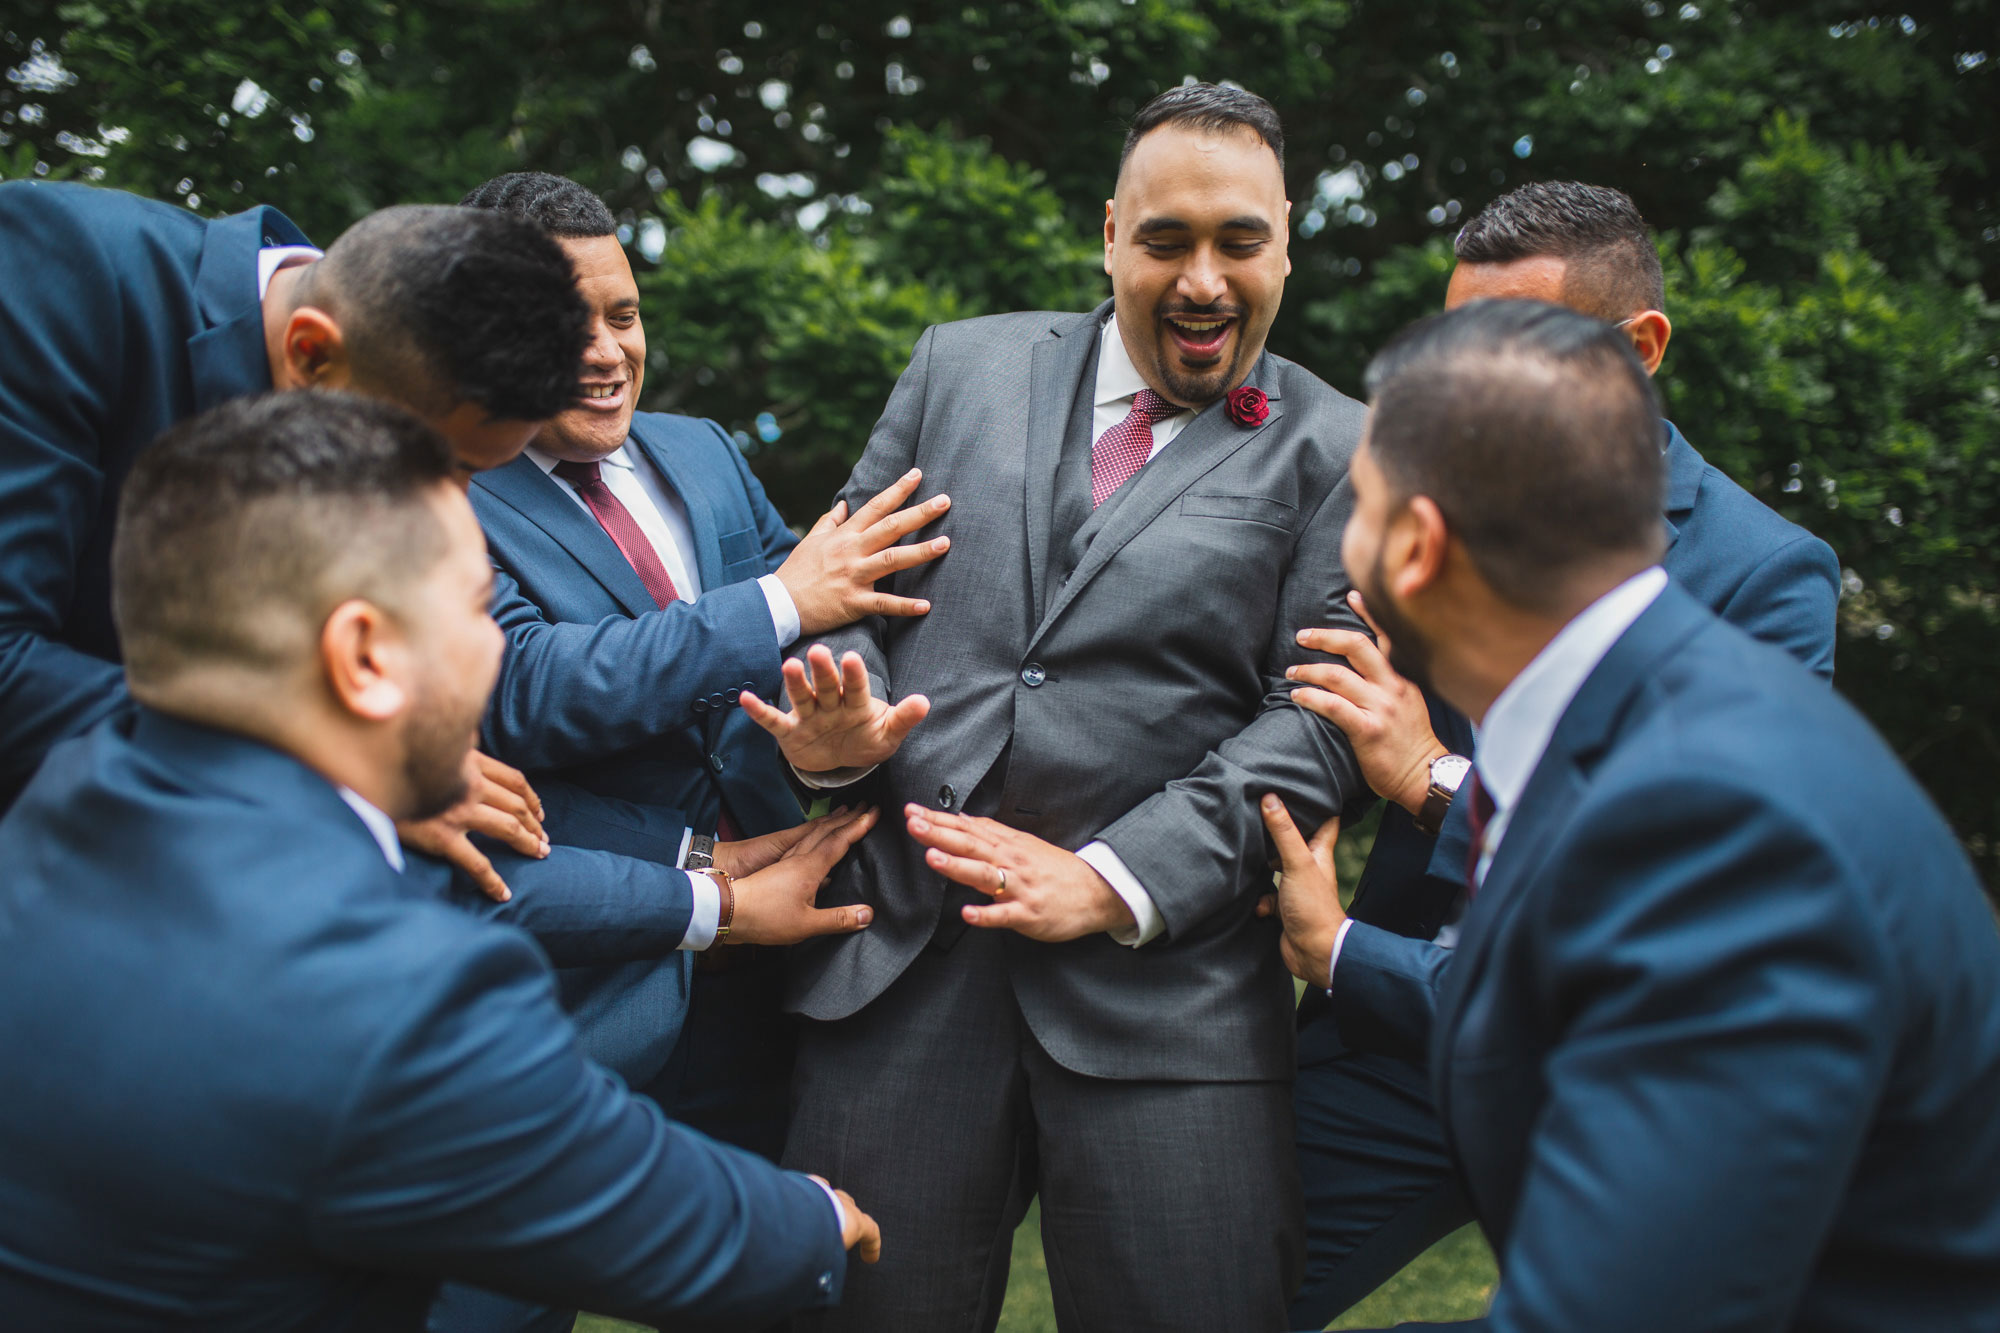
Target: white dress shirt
1517 728
662 516
274 257
1118 383
380 826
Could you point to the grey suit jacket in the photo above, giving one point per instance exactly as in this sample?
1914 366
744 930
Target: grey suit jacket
1143 692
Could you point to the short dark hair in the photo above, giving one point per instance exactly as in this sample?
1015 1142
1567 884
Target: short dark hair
556 204
1613 271
241 529
1536 432
1208 106
440 306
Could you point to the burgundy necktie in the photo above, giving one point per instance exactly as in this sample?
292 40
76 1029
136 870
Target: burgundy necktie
621 527
1124 449
1479 809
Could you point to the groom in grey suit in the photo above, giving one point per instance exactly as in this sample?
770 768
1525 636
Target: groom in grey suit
1066 991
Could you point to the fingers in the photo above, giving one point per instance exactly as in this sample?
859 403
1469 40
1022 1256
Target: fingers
1267 904
1006 915
832 841
888 501
511 778
825 676
904 522
461 853
836 921
1361 609
954 842
885 563
503 827
1342 680
887 604
1359 650
1324 841
1335 708
511 804
904 716
779 724
852 682
1292 848
973 874
828 521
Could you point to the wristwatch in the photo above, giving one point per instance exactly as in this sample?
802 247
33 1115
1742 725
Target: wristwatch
701 852
727 891
1447 772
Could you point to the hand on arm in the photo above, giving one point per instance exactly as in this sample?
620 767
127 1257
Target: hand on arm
775 903
832 572
835 721
499 803
1382 714
1037 888
1307 902
858 1231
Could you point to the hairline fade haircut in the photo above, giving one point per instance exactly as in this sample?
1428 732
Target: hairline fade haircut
440 306
240 530
1208 106
1536 432
1611 269
556 204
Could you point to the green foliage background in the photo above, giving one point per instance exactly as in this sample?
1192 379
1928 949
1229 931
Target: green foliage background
807 187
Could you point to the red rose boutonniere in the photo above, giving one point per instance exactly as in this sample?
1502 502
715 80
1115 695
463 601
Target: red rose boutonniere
1248 406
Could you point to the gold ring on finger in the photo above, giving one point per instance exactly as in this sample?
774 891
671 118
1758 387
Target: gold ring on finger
1003 884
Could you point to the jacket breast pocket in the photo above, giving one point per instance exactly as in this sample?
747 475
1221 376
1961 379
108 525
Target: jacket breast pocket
742 555
1272 513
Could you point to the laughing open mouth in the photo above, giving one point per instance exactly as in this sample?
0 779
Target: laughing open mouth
600 391
1200 337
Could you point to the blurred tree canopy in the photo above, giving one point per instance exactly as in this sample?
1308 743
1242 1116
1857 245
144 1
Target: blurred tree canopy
806 187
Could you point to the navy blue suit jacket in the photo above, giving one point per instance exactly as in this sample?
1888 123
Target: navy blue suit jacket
1721 1048
258 1079
602 687
1767 576
123 317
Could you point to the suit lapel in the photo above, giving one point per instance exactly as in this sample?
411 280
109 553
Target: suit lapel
694 498
1055 370
1684 469
1202 445
227 359
539 498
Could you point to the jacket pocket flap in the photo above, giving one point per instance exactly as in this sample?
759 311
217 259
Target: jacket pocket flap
1250 508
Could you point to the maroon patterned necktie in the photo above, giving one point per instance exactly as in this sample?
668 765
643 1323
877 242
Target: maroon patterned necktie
621 527
1124 449
1479 810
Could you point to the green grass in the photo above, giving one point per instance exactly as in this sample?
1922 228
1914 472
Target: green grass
1454 1279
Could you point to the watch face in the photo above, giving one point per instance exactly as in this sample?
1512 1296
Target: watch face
1448 772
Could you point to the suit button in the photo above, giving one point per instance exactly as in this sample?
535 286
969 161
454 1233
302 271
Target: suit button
946 796
1032 675
701 705
718 700
715 762
826 1282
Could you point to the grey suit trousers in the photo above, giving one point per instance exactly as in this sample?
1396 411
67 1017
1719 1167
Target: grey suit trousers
1165 1205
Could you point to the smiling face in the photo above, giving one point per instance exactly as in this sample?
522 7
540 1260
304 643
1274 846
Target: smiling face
1195 243
614 365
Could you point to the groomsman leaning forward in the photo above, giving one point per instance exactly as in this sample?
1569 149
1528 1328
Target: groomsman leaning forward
1720 1047
258 1081
1066 992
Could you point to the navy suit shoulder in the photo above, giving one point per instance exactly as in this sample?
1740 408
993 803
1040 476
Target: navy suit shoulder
310 1091
122 316
1702 966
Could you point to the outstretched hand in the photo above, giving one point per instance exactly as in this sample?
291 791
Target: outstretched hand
1382 714
832 572
1307 902
499 803
776 905
834 722
1037 888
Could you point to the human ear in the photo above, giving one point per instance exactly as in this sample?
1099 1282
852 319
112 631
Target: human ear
1418 543
364 658
314 351
1649 331
1110 231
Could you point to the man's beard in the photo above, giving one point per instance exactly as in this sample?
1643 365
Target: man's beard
1409 653
434 754
1200 387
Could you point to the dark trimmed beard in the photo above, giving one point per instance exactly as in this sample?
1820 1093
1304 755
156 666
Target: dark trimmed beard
1202 387
434 754
1409 652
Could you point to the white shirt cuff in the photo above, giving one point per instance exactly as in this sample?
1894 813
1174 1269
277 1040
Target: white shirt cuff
1146 918
687 841
784 611
839 1214
707 913
833 777
1339 938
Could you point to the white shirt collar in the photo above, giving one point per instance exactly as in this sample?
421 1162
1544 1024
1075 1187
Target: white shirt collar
547 462
1521 721
274 257
379 825
1117 377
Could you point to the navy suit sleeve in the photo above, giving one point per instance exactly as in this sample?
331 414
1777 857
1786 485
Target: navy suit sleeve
584 907
574 693
479 1144
1385 991
1790 601
55 391
1728 1029
778 539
